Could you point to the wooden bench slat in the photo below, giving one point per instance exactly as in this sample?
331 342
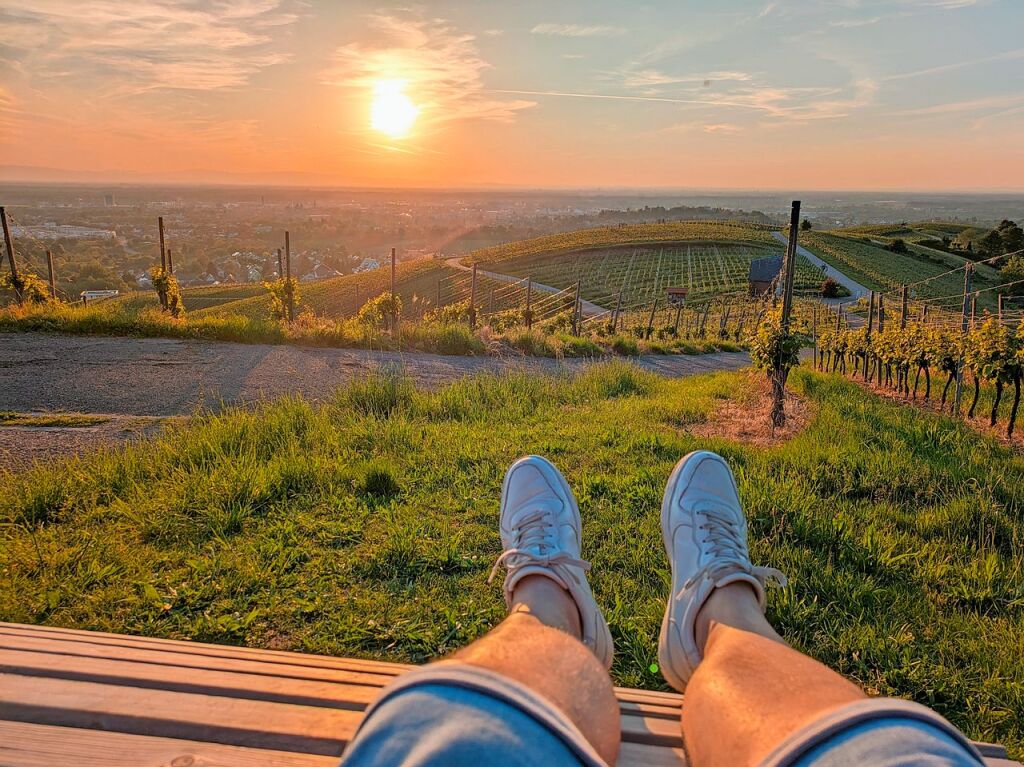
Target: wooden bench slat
251 723
41 745
198 648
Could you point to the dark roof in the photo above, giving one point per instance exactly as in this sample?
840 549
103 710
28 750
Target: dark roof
765 269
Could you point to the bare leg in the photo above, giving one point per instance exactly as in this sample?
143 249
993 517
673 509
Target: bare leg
538 646
752 690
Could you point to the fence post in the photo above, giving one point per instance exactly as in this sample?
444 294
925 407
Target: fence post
968 281
288 275
974 307
163 251
814 332
618 309
472 300
53 282
999 303
394 294
789 266
170 262
650 319
881 329
280 265
11 258
529 297
576 311
871 326
903 309
675 327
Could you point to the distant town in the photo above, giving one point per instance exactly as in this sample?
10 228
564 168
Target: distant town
106 238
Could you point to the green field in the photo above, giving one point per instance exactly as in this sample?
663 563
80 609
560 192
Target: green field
366 526
641 273
879 269
626 234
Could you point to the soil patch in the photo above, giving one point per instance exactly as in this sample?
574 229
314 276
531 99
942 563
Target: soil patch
748 419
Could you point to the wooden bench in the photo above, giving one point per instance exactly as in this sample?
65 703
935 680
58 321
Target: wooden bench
91 699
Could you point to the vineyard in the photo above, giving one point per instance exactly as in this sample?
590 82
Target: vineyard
627 234
880 269
906 357
640 274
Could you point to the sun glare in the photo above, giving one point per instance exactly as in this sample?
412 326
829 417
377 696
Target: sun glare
392 112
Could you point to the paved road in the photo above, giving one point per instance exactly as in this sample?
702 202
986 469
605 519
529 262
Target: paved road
856 289
155 376
587 308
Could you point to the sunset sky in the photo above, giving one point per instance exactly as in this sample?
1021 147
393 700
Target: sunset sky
822 94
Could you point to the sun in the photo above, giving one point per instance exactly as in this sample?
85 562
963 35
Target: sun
392 112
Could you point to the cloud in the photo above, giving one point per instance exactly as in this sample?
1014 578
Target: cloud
136 47
723 128
1011 55
577 30
441 67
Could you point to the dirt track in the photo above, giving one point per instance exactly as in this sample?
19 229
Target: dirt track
160 377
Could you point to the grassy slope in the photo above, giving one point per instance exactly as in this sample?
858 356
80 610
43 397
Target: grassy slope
195 298
901 532
704 231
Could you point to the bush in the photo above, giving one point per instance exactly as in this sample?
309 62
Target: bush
830 288
626 346
381 309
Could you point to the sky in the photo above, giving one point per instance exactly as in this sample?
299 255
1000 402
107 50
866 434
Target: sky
722 94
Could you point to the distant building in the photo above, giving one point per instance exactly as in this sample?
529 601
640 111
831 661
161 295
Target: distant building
676 296
97 295
320 272
368 265
108 201
53 231
763 274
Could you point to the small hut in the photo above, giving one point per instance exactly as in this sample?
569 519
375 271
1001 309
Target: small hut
763 274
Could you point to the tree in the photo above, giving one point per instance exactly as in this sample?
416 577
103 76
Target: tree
991 245
1013 271
806 225
1011 235
898 246
829 288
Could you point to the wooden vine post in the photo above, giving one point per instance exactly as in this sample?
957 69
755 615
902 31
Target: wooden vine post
11 258
576 311
472 299
280 265
163 249
968 282
53 281
288 287
528 314
867 338
903 308
881 329
780 368
394 292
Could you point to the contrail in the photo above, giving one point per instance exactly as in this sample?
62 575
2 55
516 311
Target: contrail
661 99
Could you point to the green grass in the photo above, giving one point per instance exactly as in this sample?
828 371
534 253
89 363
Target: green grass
366 526
61 420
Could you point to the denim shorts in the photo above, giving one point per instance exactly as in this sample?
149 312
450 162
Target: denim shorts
453 714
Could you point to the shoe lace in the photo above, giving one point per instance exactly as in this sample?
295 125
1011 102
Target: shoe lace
723 535
534 545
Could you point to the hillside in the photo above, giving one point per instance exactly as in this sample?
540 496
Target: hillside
365 526
871 264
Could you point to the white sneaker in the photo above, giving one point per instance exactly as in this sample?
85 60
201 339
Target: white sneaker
540 530
705 535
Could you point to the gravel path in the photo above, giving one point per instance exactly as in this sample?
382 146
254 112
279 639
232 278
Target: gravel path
161 377
856 289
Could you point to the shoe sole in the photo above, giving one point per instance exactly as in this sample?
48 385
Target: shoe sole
666 512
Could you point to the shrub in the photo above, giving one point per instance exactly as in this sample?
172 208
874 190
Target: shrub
381 309
626 346
830 288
